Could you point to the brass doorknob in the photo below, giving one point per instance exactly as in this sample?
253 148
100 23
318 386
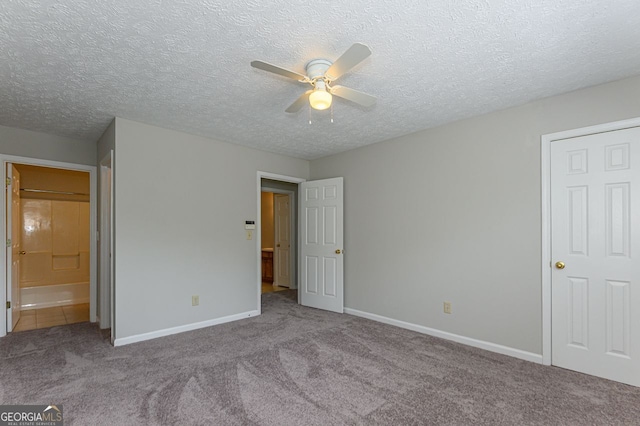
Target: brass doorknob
560 265
338 251
22 252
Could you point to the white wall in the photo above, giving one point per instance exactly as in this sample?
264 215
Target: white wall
453 214
181 203
26 143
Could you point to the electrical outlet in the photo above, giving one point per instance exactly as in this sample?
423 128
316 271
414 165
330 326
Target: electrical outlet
447 307
195 300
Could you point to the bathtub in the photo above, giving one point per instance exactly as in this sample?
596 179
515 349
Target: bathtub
54 295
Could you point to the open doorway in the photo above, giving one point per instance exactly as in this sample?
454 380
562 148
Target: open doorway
278 235
277 232
317 236
49 226
50 265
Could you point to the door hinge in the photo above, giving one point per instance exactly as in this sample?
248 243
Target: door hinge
8 305
7 182
9 242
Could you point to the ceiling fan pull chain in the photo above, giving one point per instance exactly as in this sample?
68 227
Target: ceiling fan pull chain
332 112
309 110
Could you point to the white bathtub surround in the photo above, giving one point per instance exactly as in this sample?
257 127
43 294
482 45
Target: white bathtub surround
54 295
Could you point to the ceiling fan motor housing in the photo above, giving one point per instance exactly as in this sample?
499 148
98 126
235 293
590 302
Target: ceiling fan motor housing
317 67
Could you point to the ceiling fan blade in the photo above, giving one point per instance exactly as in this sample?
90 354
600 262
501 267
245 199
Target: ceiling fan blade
277 70
357 53
300 102
353 96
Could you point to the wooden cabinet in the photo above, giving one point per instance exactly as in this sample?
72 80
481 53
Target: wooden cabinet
267 266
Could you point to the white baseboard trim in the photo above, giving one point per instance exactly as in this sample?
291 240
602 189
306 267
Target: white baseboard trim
181 329
493 347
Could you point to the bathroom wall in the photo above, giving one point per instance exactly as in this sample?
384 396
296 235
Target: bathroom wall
55 237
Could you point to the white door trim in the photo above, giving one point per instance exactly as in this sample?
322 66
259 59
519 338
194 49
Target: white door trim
10 260
276 177
106 242
545 181
4 159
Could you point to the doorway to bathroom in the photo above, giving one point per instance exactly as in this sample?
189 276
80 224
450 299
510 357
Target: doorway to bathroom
49 254
278 235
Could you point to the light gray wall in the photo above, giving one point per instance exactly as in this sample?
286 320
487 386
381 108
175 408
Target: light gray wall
26 143
453 214
181 203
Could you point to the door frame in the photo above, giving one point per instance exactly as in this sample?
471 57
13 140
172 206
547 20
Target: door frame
282 178
92 170
292 233
106 243
545 184
11 274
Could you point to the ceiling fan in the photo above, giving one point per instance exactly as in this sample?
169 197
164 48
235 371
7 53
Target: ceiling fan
321 73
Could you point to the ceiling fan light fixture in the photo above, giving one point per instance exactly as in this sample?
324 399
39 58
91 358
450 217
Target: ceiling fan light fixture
320 99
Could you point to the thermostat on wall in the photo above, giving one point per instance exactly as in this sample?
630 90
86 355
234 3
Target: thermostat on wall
250 224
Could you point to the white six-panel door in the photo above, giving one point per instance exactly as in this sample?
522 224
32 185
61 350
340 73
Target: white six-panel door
321 260
595 232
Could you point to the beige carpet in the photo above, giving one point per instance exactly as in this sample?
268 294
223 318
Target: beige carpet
297 366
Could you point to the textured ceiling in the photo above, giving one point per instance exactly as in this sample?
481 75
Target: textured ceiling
68 67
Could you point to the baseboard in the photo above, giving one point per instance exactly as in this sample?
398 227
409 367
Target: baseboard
493 347
181 329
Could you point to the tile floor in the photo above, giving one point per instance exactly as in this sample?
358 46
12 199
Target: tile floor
48 317
270 288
